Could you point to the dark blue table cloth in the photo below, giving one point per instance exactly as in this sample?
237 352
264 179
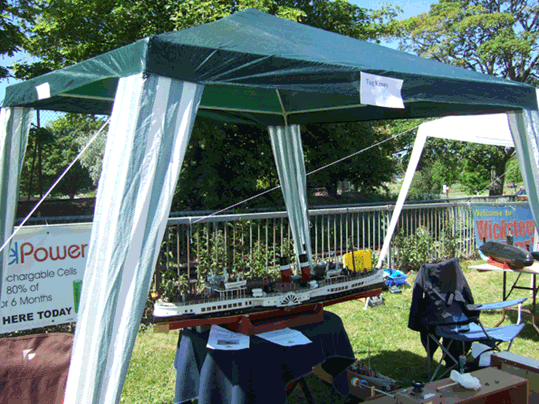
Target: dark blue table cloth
261 373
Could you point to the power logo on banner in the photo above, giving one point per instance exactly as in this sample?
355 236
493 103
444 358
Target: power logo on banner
493 223
43 281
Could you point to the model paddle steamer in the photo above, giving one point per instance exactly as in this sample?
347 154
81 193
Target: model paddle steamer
226 297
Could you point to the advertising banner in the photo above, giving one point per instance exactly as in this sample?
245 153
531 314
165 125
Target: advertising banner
493 223
43 280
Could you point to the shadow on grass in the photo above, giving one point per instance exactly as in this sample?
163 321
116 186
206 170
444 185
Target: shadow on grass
511 316
401 366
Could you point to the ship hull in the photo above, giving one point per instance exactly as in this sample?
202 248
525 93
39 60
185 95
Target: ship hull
505 253
257 316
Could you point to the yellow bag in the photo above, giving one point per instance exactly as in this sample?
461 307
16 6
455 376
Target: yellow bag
361 260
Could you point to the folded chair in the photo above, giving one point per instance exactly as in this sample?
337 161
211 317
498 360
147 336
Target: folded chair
443 308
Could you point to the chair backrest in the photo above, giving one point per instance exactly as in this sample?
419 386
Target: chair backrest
440 294
34 368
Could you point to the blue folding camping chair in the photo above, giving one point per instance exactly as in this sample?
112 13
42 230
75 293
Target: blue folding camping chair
443 308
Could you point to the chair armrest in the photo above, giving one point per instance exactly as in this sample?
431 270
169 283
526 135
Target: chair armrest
495 305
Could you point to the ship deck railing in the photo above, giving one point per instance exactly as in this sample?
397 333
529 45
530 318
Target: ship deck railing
321 284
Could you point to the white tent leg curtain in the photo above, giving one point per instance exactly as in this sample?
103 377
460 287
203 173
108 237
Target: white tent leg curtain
150 127
409 176
525 130
14 128
289 158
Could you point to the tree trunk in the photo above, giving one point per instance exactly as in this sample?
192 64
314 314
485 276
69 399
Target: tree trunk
40 169
497 173
32 169
496 181
39 140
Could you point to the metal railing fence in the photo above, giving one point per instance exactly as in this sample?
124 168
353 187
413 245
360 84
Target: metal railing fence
256 240
253 242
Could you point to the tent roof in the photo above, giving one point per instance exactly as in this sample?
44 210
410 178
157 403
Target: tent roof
258 68
492 129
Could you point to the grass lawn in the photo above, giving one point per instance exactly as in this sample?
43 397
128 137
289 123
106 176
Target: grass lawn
379 336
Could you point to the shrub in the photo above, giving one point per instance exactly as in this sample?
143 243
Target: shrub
414 250
218 251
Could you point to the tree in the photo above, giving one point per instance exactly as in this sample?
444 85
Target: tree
54 148
32 172
422 184
327 143
69 31
513 173
230 160
473 178
440 165
496 37
13 15
485 166
224 164
236 162
84 127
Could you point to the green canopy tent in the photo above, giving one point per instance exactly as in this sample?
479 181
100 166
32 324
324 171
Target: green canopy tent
257 68
250 67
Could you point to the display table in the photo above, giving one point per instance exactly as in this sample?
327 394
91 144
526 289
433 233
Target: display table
532 270
260 373
497 387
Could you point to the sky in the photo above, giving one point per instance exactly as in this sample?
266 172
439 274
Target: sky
410 9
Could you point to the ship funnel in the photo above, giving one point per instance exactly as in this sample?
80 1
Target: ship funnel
305 268
286 273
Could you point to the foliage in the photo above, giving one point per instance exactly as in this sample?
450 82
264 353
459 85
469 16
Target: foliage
414 250
445 170
407 129
419 196
218 252
69 31
499 37
513 173
213 256
173 286
225 164
327 143
13 16
422 246
474 165
448 241
31 181
225 249
423 183
236 162
85 127
51 150
435 174
474 179
484 165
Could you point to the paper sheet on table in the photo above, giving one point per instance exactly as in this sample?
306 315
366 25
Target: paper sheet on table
285 337
226 340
